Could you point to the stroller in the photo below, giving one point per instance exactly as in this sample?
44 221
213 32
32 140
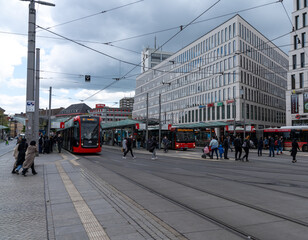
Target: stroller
206 152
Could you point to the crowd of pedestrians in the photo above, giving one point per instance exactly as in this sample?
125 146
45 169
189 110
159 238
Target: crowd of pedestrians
222 147
25 154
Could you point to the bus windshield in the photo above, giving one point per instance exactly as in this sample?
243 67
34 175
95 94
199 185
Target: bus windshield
185 137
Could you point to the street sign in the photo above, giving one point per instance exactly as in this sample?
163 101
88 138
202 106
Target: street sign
30 107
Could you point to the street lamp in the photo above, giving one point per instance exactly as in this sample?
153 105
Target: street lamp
243 96
30 104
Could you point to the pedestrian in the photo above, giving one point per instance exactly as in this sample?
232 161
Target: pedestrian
46 147
124 146
260 147
206 151
294 149
279 146
165 143
6 141
22 148
29 160
139 142
281 143
221 150
41 143
15 154
129 147
226 144
265 143
214 147
271 146
59 142
153 146
246 146
238 148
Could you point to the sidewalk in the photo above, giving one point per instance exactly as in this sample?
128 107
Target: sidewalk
66 201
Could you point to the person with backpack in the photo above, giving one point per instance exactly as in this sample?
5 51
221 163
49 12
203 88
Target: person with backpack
238 148
129 147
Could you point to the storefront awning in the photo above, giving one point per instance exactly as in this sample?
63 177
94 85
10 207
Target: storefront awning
3 127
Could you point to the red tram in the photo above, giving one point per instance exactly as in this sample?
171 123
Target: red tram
81 134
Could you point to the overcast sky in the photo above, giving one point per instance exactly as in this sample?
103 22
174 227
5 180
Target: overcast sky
127 26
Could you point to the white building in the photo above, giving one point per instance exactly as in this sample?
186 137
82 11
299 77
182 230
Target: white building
297 94
151 57
213 78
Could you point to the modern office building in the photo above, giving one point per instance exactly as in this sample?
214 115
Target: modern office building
127 103
151 57
231 73
110 114
297 93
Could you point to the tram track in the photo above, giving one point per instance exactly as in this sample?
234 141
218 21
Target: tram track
208 217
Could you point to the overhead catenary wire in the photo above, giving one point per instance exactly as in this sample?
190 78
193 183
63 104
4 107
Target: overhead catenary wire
94 14
163 44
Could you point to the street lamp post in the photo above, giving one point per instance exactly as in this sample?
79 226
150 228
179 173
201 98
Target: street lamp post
30 104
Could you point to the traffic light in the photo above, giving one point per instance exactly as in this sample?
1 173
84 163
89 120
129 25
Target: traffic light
87 78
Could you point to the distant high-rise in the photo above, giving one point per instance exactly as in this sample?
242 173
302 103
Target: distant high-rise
127 103
297 93
151 57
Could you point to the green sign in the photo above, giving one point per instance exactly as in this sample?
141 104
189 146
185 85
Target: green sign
219 104
305 102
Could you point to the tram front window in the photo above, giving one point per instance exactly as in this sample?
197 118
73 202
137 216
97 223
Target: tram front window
89 130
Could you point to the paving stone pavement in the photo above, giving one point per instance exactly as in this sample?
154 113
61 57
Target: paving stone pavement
22 205
66 202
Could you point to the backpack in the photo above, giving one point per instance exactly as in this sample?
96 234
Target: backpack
276 143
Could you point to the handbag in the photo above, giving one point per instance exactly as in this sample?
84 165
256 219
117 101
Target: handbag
244 145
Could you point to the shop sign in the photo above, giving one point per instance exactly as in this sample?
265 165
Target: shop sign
219 104
230 101
210 105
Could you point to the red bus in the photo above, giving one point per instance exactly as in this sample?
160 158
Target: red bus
289 133
81 134
180 138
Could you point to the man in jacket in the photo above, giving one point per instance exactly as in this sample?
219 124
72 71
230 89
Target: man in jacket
226 147
271 145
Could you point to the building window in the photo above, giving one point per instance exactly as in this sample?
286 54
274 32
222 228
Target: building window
305 3
294 61
208 114
298 4
294 103
303 39
302 60
301 80
218 113
295 42
296 22
213 113
223 112
304 19
293 81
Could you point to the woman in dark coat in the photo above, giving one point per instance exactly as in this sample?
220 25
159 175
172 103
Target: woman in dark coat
295 147
22 148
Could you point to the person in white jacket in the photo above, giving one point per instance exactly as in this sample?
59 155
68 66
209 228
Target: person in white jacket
214 147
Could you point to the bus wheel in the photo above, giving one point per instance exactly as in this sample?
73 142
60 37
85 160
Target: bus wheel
305 148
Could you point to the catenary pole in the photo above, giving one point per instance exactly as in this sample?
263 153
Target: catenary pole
37 96
30 104
49 112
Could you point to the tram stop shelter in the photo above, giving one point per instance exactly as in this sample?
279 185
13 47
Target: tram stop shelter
115 132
